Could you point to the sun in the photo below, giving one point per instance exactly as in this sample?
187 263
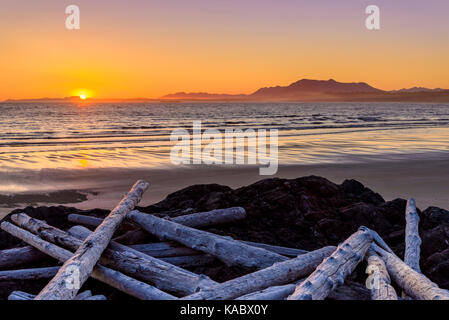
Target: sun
83 96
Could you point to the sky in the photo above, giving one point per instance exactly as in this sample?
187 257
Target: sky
149 48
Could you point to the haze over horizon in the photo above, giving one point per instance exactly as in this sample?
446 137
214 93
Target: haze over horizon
152 48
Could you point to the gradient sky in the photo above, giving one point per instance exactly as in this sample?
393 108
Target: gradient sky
148 48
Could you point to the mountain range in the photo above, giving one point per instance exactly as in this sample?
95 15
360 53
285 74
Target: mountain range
321 90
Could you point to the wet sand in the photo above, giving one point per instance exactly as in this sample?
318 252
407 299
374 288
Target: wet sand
424 180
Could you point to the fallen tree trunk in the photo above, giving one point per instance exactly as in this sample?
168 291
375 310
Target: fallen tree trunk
111 277
378 280
11 258
227 250
333 270
412 238
277 274
415 284
28 274
163 275
79 267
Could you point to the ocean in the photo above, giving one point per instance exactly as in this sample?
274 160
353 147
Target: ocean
71 139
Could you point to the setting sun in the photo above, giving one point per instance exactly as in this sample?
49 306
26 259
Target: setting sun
83 97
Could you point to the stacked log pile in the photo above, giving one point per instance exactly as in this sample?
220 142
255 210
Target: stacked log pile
161 269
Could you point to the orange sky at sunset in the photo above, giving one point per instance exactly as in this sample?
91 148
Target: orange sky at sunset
152 48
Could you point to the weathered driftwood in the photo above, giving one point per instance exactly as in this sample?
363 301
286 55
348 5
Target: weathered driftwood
173 249
119 257
350 291
173 253
412 238
194 220
86 295
284 251
164 275
83 295
415 284
11 258
82 263
277 274
28 274
210 218
164 249
229 251
84 220
197 220
20 295
378 280
333 270
96 297
111 277
271 293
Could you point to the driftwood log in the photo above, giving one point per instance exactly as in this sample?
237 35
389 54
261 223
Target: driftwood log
347 291
229 251
20 295
378 280
164 275
333 270
86 295
10 258
79 267
415 284
278 273
412 238
173 249
111 277
197 220
271 293
29 274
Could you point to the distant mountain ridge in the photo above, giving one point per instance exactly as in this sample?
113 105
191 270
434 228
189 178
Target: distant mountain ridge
419 89
321 90
307 86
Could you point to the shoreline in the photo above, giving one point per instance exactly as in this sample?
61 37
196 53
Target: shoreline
423 180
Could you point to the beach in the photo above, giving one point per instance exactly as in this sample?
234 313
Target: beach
424 180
